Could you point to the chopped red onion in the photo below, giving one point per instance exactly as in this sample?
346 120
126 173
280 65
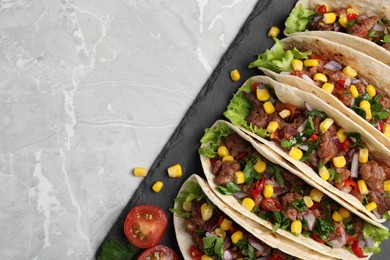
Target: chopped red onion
352 102
341 240
336 141
379 27
240 195
310 220
336 243
333 65
364 82
302 126
361 243
285 73
308 79
273 183
361 17
308 107
354 165
336 27
369 241
227 255
346 189
375 212
257 244
356 81
317 18
348 82
304 147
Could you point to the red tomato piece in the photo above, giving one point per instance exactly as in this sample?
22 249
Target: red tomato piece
321 9
275 258
379 126
352 184
158 252
340 84
257 187
315 205
145 225
345 146
351 239
351 16
313 137
195 253
357 250
317 238
254 87
271 204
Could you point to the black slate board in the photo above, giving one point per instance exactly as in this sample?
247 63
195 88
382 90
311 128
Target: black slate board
208 107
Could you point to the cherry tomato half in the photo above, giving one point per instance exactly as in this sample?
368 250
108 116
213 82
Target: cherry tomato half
195 253
271 204
321 9
357 250
257 187
145 225
159 252
352 184
317 238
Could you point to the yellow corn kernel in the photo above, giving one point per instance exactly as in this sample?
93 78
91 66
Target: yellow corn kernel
339 161
187 206
324 125
308 201
324 173
386 130
262 94
316 195
239 177
344 212
371 206
296 227
140 172
236 236
320 77
206 257
284 113
157 186
343 20
260 166
353 90
337 217
296 153
362 187
268 107
220 232
386 185
363 155
235 75
351 11
328 87
341 136
206 211
371 91
272 126
175 171
248 203
297 65
228 158
273 32
222 151
348 71
329 18
311 63
268 191
364 104
225 224
368 113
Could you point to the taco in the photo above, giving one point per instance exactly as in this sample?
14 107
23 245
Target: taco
256 182
324 145
361 25
353 83
204 225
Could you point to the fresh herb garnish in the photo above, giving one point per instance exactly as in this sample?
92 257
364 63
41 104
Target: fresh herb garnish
356 138
276 171
213 246
299 205
324 227
229 189
246 250
114 250
318 113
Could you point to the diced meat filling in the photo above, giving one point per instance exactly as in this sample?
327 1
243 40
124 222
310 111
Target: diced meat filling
328 147
227 172
235 144
363 26
382 201
374 175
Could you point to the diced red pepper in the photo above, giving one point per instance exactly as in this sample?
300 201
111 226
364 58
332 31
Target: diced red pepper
220 220
254 87
195 253
351 239
322 9
315 205
317 238
271 204
345 146
313 137
340 84
351 16
357 250
379 126
257 187
352 184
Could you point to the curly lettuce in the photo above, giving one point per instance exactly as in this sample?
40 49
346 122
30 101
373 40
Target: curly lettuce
298 19
377 234
278 59
212 138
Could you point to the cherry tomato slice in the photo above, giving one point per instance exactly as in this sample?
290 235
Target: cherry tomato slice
352 184
345 146
145 225
313 137
357 250
340 84
158 252
315 205
351 16
321 9
254 87
257 187
271 204
195 253
317 238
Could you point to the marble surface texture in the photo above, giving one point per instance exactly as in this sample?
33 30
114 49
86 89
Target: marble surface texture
90 89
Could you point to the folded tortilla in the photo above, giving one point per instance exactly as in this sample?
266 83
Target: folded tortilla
368 8
367 68
260 232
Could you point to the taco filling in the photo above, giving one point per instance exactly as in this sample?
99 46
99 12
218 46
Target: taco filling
282 198
214 234
343 20
310 136
340 80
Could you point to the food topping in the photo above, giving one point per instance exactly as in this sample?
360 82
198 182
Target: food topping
273 32
235 75
140 172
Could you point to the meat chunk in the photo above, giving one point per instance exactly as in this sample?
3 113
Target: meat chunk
382 201
335 76
217 167
227 172
289 198
344 175
361 88
357 195
363 26
236 144
386 46
328 148
339 93
374 175
293 214
292 180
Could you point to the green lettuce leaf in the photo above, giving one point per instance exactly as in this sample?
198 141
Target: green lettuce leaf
191 192
278 59
298 19
114 250
212 138
378 234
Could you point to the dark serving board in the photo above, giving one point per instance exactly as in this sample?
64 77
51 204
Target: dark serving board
208 107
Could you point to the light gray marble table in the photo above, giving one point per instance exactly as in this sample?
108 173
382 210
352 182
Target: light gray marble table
89 90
